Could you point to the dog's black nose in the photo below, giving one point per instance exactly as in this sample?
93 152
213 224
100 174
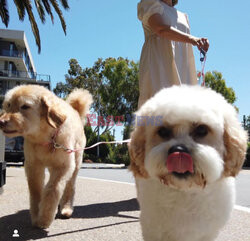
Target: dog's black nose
178 148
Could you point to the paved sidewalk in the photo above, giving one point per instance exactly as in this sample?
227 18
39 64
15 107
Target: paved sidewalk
104 211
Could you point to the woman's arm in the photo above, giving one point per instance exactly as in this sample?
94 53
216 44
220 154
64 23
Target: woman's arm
157 25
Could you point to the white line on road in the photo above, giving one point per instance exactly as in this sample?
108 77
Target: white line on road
106 180
241 208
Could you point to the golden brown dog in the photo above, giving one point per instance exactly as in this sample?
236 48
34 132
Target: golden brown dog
53 138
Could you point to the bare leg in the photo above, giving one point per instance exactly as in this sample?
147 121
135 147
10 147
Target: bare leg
35 177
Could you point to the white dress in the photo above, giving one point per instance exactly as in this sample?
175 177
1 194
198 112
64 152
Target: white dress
163 62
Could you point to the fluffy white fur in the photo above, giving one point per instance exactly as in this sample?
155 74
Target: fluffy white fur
193 207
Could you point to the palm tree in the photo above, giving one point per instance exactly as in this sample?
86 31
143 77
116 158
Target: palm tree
42 6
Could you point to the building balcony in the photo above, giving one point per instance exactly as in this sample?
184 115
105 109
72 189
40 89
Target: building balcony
23 75
12 53
18 56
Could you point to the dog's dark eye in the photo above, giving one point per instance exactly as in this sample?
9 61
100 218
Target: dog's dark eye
25 107
200 131
165 132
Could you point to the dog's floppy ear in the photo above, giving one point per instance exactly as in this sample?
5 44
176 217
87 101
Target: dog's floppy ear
137 152
235 142
52 112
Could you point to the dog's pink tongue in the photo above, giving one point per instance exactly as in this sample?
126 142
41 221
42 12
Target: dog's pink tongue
180 162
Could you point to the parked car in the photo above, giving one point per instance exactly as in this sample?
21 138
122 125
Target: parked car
14 149
2 175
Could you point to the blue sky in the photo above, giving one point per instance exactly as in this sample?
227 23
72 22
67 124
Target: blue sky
111 29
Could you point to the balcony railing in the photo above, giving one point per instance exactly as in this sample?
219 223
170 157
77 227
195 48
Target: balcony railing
12 53
24 75
16 54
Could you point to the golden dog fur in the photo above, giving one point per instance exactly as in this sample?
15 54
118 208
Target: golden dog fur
38 115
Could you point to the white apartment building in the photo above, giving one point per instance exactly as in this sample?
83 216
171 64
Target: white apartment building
16 63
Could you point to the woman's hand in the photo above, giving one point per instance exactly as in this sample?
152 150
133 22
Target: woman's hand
201 43
157 24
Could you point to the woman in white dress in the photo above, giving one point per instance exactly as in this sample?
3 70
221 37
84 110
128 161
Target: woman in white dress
167 56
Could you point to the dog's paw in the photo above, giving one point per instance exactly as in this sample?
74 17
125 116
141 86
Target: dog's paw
42 224
34 222
66 212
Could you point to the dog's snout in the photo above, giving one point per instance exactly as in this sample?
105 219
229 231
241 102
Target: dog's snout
178 148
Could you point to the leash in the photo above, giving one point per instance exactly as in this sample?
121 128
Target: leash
108 142
69 151
201 74
55 145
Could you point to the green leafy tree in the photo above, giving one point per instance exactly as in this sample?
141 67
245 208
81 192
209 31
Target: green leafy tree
42 6
215 81
113 84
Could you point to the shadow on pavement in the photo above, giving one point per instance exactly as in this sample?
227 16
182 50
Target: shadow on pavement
101 210
19 221
92 228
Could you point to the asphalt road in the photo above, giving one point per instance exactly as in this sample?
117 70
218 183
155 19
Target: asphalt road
123 175
115 174
243 189
103 210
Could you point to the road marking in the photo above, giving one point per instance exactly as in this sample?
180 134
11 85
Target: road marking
241 208
106 180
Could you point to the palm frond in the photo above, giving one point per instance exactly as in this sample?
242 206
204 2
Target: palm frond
4 12
46 4
42 6
59 13
20 9
33 23
40 10
65 4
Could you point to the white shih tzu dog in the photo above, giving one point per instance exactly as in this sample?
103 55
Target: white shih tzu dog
186 149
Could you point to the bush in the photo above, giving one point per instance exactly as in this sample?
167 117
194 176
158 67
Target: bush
104 149
108 153
247 161
121 154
